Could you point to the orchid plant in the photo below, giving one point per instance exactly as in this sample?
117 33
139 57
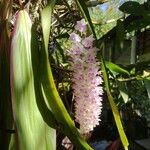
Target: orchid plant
32 107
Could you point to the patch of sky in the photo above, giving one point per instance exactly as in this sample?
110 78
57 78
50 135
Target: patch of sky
104 7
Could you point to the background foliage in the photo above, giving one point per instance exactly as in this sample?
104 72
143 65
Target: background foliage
119 28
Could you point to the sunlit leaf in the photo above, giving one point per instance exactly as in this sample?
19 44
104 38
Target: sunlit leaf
33 133
116 68
123 91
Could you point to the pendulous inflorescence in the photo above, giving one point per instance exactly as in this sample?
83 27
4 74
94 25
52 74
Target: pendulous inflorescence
86 78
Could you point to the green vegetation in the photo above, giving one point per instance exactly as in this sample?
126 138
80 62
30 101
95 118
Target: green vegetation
36 95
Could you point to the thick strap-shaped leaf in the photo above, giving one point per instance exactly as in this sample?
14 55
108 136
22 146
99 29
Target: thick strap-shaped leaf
33 132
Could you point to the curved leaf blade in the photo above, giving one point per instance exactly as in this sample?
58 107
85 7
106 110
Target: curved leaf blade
116 68
114 108
123 91
32 132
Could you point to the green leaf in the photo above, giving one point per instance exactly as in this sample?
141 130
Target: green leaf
116 69
48 85
114 108
123 91
132 7
61 52
32 132
84 10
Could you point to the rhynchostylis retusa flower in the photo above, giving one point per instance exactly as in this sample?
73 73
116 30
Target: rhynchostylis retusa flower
86 78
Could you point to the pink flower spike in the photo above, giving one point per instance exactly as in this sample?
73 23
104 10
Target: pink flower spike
88 42
74 37
86 79
81 26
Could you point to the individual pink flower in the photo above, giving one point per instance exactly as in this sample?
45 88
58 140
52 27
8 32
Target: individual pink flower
75 50
87 80
88 41
75 37
81 26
